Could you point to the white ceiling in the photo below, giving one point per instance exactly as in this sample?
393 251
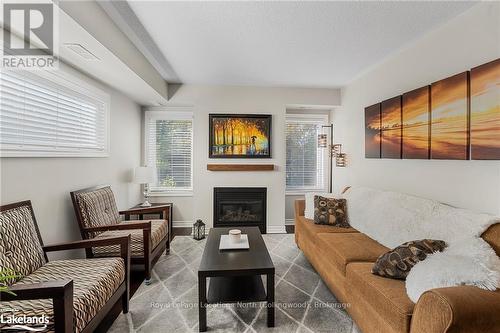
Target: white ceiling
308 44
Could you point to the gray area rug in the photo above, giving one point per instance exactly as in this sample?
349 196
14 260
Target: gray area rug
169 303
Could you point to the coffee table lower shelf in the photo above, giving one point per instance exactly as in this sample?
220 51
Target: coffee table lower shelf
233 289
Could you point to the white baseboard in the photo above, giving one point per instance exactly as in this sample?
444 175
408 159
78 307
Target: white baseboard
271 229
276 229
289 221
182 224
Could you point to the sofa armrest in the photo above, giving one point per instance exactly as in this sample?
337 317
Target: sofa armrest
300 206
61 293
457 309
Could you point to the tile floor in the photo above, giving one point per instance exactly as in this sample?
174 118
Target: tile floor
169 303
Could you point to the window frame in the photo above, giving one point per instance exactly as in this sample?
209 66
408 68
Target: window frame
169 113
311 119
70 83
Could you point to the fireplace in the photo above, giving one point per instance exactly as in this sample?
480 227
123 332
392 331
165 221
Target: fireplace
240 207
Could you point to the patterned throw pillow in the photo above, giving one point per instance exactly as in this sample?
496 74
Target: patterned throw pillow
330 211
396 263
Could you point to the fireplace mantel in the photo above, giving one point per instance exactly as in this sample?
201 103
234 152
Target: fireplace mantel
240 167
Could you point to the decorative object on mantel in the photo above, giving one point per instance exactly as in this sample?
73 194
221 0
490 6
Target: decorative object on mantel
457 118
145 176
240 167
240 136
199 230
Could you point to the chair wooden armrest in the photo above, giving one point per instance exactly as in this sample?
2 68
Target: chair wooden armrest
121 226
61 293
48 289
123 241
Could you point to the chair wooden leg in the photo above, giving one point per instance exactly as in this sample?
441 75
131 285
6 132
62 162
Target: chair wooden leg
147 268
63 311
125 302
147 255
167 246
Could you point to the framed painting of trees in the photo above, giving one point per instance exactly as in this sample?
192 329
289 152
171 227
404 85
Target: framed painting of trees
240 136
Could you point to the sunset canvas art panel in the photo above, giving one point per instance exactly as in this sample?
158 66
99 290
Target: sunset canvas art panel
485 111
245 136
449 118
416 123
372 131
391 127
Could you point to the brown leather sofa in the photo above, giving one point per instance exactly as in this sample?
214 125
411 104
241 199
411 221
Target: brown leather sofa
344 258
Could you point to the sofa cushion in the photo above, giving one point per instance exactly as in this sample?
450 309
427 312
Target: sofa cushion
344 248
309 202
386 296
94 282
396 263
330 211
308 227
98 207
20 248
159 229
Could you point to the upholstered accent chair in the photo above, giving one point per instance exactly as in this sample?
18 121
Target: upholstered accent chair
98 217
74 295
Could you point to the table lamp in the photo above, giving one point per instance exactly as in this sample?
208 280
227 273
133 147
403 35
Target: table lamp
145 176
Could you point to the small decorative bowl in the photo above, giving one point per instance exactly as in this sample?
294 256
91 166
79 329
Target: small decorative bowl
235 235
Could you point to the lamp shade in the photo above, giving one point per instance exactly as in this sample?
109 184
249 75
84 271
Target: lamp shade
322 141
144 175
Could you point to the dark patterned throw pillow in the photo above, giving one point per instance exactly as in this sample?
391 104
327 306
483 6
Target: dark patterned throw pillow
330 211
396 263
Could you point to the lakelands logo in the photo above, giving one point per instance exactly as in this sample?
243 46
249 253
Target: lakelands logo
24 323
30 34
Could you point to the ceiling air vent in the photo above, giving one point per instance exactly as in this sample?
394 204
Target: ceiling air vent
81 51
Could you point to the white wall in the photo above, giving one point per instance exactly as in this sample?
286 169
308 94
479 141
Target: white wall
230 99
48 181
470 39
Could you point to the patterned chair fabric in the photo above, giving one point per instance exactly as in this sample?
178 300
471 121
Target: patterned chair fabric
94 282
20 248
98 207
159 229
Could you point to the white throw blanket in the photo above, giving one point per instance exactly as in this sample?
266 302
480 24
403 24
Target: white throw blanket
393 218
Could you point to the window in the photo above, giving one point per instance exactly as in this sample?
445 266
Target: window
46 114
305 162
169 148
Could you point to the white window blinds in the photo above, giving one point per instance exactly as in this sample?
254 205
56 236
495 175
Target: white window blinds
305 162
169 148
42 117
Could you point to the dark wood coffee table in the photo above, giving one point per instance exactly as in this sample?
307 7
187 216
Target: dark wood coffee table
235 275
